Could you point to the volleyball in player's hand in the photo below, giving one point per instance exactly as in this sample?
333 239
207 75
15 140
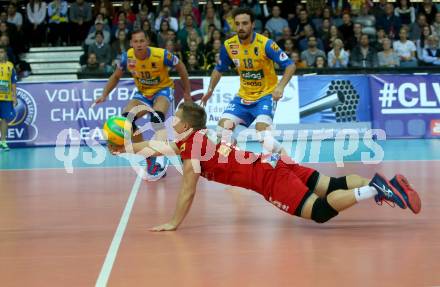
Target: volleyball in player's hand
116 128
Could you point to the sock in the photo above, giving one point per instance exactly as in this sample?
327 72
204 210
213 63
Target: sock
269 143
364 192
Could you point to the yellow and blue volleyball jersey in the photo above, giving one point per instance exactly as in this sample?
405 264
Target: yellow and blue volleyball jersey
7 78
255 64
150 74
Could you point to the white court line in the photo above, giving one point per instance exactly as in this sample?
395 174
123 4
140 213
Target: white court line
114 246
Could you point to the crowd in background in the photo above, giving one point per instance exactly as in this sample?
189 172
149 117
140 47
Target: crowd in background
318 33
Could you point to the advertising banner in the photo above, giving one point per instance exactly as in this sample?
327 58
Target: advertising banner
406 106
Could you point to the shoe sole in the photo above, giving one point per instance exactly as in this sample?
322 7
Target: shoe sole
413 200
395 191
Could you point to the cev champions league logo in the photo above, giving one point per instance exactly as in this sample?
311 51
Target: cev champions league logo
22 128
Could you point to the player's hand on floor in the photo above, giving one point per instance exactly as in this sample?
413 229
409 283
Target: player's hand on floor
164 227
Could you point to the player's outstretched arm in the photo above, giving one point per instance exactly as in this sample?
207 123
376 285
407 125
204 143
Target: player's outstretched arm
146 148
185 199
183 73
215 78
288 73
111 84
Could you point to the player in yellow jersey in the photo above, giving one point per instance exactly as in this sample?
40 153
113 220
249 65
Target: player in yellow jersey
149 68
8 95
254 57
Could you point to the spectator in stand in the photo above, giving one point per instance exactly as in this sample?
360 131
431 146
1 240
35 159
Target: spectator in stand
208 35
102 50
287 34
194 50
388 57
406 12
14 17
216 35
378 10
435 27
80 15
415 29
121 17
192 65
357 31
36 15
57 13
4 42
172 47
129 15
405 49
193 36
367 20
144 14
423 41
162 34
334 34
346 30
122 25
429 10
363 55
289 46
164 15
195 12
338 57
98 27
299 63
276 24
210 20
309 55
254 5
324 31
380 36
389 22
146 27
227 20
104 7
210 55
183 33
308 31
266 33
320 62
303 20
356 6
11 33
431 53
119 46
93 66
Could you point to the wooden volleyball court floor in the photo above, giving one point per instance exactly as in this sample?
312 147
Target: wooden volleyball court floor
90 228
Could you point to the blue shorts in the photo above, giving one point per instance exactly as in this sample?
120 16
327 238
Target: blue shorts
7 111
243 112
168 93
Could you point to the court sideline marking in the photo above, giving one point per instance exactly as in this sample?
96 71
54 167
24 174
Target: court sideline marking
117 238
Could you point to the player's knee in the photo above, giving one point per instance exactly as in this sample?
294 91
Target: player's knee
322 211
337 183
270 144
224 134
157 120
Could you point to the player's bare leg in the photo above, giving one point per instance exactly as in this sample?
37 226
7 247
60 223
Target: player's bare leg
135 105
322 209
351 181
225 129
